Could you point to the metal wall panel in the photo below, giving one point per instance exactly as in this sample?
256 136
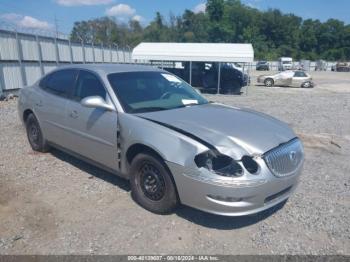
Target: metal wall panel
89 56
32 72
8 46
52 54
48 67
107 55
11 76
121 56
98 54
77 53
48 49
115 58
63 51
29 47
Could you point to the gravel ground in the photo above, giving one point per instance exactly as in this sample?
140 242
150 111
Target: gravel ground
55 204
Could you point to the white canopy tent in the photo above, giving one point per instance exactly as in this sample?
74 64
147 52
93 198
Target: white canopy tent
194 52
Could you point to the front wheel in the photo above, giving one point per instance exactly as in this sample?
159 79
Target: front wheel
269 82
152 185
306 85
35 135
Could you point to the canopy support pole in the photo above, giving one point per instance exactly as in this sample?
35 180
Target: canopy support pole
190 72
219 78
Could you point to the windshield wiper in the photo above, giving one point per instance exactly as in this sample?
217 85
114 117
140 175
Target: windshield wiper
189 104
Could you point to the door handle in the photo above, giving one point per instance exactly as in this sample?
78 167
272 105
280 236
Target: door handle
73 114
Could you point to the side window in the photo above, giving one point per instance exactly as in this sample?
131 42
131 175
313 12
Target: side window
61 82
88 85
43 81
299 74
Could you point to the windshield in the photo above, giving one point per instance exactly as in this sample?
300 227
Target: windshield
286 62
140 92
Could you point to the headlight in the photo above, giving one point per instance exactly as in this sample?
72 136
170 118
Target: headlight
220 164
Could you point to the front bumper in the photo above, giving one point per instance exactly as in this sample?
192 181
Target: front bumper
232 199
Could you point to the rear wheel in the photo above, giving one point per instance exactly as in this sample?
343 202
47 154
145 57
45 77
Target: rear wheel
35 135
152 185
269 82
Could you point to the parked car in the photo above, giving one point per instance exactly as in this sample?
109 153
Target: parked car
262 66
341 67
205 76
151 127
292 78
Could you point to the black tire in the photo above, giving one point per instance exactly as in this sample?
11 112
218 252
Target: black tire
35 135
269 82
152 186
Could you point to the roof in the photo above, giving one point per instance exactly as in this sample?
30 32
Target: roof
196 52
112 68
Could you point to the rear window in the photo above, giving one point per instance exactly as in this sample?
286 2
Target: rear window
61 82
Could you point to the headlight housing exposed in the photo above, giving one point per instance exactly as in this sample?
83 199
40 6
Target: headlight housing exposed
220 164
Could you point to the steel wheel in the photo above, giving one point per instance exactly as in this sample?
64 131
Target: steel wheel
269 82
306 85
152 182
34 134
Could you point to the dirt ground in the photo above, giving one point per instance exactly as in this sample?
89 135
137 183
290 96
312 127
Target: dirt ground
56 204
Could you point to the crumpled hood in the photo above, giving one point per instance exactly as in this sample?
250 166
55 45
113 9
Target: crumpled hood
232 131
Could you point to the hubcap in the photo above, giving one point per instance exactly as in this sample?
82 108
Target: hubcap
152 182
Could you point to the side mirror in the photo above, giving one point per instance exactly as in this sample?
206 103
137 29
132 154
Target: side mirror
96 102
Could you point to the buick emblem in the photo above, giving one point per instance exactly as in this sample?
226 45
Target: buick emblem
293 156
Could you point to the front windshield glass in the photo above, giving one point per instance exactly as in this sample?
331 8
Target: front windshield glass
140 92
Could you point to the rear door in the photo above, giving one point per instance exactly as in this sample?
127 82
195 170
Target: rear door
50 105
93 130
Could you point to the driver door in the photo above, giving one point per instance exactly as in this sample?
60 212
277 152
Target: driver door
93 131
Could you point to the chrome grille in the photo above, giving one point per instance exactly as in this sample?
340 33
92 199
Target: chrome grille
285 159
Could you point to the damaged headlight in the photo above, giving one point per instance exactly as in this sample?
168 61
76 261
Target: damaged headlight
220 164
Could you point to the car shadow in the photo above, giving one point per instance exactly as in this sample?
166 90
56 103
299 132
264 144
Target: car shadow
225 222
91 169
187 213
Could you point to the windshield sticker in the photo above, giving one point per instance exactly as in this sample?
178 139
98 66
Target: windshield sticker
171 78
189 101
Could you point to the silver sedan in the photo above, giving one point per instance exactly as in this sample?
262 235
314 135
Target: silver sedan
295 78
149 126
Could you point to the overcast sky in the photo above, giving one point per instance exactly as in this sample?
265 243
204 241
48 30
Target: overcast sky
41 13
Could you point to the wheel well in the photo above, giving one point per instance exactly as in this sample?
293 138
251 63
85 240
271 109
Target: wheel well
140 148
26 113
